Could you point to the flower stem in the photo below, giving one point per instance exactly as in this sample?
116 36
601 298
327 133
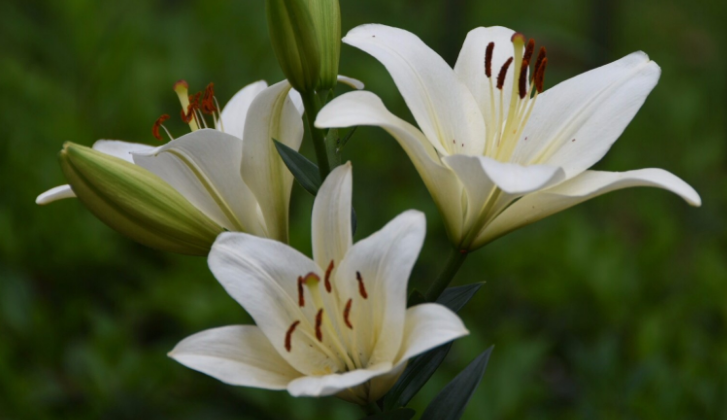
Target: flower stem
456 258
371 408
319 140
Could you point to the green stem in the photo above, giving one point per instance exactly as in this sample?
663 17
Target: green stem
319 140
456 258
371 409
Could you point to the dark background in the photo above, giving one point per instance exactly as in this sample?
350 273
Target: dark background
614 309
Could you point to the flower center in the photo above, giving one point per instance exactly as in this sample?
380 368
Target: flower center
506 126
194 109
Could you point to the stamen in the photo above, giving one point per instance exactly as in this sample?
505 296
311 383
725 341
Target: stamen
529 49
301 294
522 82
208 101
347 314
361 286
541 55
157 124
182 89
289 336
540 75
319 322
327 280
192 106
503 73
488 59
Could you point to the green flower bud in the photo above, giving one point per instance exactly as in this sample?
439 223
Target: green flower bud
295 42
136 203
326 16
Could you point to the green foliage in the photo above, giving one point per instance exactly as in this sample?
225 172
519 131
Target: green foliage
613 309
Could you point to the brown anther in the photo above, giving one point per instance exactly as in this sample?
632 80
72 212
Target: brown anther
319 322
289 336
157 125
529 49
301 294
208 100
361 286
540 75
327 279
541 56
193 106
488 59
347 314
523 81
503 73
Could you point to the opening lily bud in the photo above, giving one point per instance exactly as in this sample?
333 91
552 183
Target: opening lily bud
326 16
295 42
136 203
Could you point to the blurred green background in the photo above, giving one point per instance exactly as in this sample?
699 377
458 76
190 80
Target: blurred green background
614 309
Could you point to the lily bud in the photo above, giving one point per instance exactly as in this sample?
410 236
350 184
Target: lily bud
136 203
295 43
326 16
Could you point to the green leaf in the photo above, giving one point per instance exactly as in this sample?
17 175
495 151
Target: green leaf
415 298
416 374
455 298
304 171
398 414
452 400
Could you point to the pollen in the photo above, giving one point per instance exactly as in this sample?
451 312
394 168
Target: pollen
529 49
208 105
539 77
361 286
157 125
488 59
347 314
523 81
301 294
289 336
319 323
327 279
503 73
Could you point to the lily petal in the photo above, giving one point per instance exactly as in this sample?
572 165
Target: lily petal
237 355
350 81
234 114
382 262
575 123
121 149
331 229
261 275
321 386
272 115
204 166
54 194
589 184
428 326
442 106
509 177
364 108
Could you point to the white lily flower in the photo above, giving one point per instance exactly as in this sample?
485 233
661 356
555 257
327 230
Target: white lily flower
334 325
206 166
494 150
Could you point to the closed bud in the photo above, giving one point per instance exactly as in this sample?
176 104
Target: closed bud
295 42
136 203
326 16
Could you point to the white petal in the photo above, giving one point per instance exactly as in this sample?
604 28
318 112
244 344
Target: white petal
471 71
121 149
589 184
364 108
384 261
54 194
261 274
509 177
428 326
350 81
204 166
321 386
442 106
272 115
234 113
297 101
237 355
331 229
575 123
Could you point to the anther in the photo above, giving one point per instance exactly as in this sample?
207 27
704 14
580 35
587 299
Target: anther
503 73
208 100
347 314
289 336
529 49
192 107
361 286
541 56
327 280
522 82
319 322
488 59
301 294
540 75
157 125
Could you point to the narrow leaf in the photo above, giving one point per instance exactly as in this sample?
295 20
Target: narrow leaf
452 400
399 414
416 374
304 171
455 298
